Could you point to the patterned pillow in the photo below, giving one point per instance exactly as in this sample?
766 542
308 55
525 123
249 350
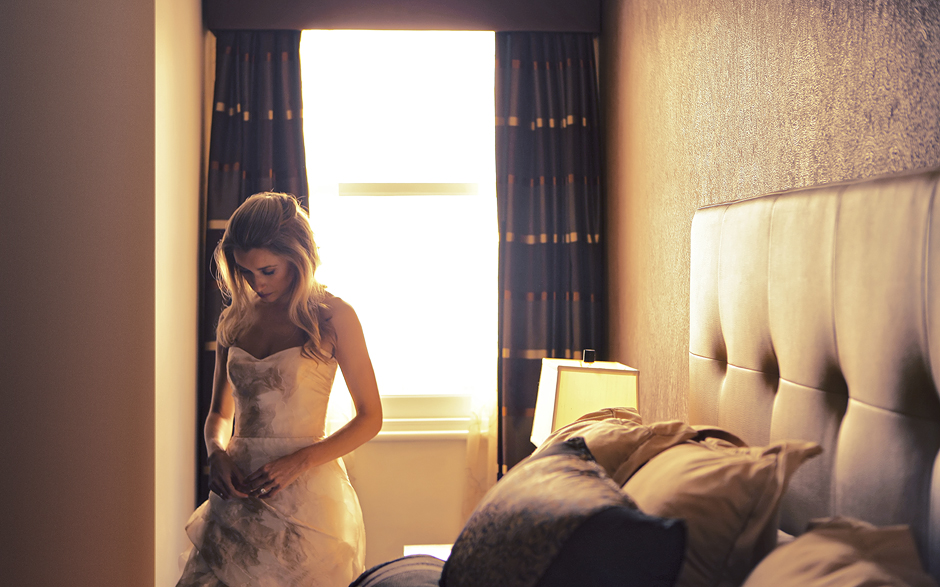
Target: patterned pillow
535 526
418 570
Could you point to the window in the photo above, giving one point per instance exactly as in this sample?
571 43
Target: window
399 138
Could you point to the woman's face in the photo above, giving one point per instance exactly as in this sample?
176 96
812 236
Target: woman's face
269 275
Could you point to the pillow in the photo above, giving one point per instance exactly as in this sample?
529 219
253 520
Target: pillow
728 496
619 440
419 570
536 523
784 538
616 547
843 551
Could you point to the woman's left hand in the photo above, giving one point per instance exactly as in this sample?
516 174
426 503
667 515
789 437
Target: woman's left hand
271 478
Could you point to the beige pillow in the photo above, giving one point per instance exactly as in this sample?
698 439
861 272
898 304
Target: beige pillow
619 440
840 552
729 498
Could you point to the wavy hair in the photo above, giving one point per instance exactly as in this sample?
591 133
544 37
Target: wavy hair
275 222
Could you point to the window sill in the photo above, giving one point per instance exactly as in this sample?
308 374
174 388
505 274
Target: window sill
425 417
420 435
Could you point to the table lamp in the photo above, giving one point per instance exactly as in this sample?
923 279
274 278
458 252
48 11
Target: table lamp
569 389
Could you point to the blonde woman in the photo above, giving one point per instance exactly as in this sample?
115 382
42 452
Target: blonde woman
281 510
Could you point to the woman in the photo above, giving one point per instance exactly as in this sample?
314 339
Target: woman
281 510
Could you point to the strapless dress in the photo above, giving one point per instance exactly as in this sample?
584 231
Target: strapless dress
309 534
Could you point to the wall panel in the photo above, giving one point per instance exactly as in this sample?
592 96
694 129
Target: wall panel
77 291
178 176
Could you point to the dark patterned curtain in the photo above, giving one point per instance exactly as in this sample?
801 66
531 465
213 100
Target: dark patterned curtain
549 198
256 144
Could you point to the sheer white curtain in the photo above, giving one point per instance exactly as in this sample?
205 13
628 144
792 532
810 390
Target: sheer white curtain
481 450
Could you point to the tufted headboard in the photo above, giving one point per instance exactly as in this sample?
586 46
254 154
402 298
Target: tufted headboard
815 314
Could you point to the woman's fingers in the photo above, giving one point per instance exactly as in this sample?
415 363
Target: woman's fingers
235 487
259 482
264 489
226 482
224 477
269 479
267 490
262 484
259 476
227 492
269 493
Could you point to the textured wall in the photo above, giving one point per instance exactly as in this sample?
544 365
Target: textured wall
712 101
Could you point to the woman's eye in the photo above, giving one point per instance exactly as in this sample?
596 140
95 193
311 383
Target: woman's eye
270 272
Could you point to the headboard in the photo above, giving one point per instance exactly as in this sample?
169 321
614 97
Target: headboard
815 314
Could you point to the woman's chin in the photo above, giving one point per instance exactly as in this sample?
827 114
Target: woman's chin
269 298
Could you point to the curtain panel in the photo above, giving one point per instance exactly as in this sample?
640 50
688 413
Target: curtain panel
256 144
550 203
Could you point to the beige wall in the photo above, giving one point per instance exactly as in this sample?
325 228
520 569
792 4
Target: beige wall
80 265
179 103
78 292
411 492
715 100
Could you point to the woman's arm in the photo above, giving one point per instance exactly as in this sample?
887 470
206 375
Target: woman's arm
353 358
224 477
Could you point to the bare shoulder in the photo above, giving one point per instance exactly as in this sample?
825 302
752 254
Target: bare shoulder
342 314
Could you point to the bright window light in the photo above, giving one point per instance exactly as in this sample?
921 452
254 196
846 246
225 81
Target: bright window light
388 113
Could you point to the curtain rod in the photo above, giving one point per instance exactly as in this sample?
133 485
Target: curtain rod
577 16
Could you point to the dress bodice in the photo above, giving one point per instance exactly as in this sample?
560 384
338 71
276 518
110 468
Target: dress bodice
282 395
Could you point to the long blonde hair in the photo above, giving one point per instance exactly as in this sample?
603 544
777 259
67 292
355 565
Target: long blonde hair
275 222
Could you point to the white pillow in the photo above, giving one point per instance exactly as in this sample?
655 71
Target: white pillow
839 552
729 497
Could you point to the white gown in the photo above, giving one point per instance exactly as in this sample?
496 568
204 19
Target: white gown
310 534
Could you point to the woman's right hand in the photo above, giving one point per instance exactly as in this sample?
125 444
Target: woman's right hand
224 477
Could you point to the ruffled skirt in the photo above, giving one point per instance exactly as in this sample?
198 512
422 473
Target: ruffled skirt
310 534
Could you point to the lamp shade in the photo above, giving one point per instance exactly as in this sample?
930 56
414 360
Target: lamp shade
569 388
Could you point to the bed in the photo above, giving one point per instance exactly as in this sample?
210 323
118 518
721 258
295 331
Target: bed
814 339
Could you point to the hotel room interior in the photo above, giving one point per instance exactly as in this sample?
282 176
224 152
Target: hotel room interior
103 120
